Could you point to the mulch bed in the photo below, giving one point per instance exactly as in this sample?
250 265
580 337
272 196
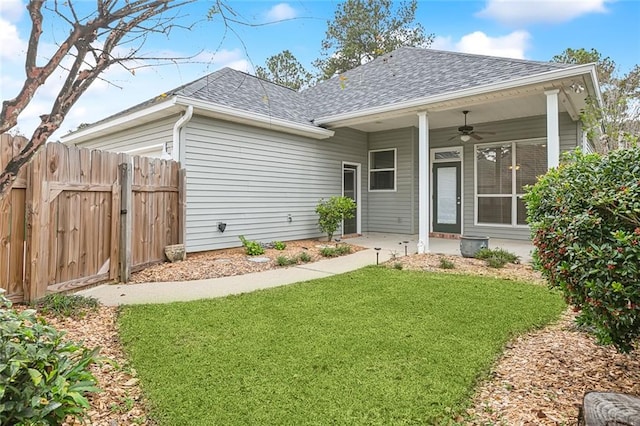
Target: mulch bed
539 380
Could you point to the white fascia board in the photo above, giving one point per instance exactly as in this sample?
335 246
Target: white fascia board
474 91
120 123
254 119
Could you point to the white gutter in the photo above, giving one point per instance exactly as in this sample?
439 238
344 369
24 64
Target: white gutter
473 91
255 119
108 126
175 149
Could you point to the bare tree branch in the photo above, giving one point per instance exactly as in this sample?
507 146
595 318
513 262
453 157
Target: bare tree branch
97 35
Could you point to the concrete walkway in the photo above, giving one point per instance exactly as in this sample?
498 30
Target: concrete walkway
389 244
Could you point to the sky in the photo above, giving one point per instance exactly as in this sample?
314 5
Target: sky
524 29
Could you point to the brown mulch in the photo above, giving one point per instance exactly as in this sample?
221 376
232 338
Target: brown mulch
229 262
539 380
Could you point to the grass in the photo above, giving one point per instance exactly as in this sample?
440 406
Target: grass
374 346
66 305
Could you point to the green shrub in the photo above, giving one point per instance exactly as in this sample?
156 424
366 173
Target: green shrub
496 258
286 261
397 266
66 305
304 257
328 252
279 245
252 248
43 379
446 263
585 221
343 249
332 212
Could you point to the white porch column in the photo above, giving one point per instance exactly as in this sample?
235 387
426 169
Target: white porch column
553 129
423 182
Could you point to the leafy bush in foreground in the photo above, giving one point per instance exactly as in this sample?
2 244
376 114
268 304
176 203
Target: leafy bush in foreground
43 379
585 221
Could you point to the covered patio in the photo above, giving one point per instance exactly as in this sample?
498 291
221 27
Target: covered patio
390 243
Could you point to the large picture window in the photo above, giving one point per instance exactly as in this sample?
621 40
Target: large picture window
382 170
502 172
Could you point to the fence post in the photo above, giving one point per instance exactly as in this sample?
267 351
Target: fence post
37 199
124 170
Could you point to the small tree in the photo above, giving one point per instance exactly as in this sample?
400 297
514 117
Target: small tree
284 69
332 212
585 221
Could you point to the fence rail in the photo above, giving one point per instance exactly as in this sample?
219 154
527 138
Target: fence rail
76 217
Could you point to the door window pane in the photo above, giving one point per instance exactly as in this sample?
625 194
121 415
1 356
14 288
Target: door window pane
447 196
522 211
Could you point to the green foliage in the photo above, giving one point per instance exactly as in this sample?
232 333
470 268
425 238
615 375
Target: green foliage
496 258
304 257
252 248
286 261
585 220
284 69
397 266
358 348
446 263
332 212
43 379
362 30
329 252
279 245
614 123
66 305
339 250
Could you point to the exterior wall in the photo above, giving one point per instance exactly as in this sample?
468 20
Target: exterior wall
393 211
509 130
142 140
252 179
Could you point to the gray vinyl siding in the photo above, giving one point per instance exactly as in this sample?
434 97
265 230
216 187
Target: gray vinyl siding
393 211
140 137
508 130
252 179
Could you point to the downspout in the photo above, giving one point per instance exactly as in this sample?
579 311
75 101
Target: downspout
175 151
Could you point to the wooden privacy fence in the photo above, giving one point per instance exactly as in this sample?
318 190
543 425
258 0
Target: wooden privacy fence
76 217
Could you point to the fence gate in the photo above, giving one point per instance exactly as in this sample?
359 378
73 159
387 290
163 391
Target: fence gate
61 224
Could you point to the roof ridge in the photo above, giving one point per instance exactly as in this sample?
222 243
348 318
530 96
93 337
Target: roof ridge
482 55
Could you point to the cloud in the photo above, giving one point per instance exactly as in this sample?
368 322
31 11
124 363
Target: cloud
512 45
12 10
279 12
516 12
13 48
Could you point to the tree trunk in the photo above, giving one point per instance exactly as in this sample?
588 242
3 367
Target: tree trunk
609 409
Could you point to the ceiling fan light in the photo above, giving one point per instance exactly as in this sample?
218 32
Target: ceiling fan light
465 138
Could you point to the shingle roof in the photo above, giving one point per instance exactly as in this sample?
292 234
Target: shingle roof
402 75
412 73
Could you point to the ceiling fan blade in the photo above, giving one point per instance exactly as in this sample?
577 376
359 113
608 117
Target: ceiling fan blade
475 136
453 137
487 133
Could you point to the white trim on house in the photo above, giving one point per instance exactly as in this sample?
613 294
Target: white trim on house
358 169
420 103
235 115
459 159
177 104
423 182
513 195
395 169
133 119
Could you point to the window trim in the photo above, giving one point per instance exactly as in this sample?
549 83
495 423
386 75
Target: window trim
394 170
513 195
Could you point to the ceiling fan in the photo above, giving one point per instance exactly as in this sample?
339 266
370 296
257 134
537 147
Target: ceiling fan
465 133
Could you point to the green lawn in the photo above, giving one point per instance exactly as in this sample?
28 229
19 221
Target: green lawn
375 346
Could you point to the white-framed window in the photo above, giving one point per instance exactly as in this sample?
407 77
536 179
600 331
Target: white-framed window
382 169
502 170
